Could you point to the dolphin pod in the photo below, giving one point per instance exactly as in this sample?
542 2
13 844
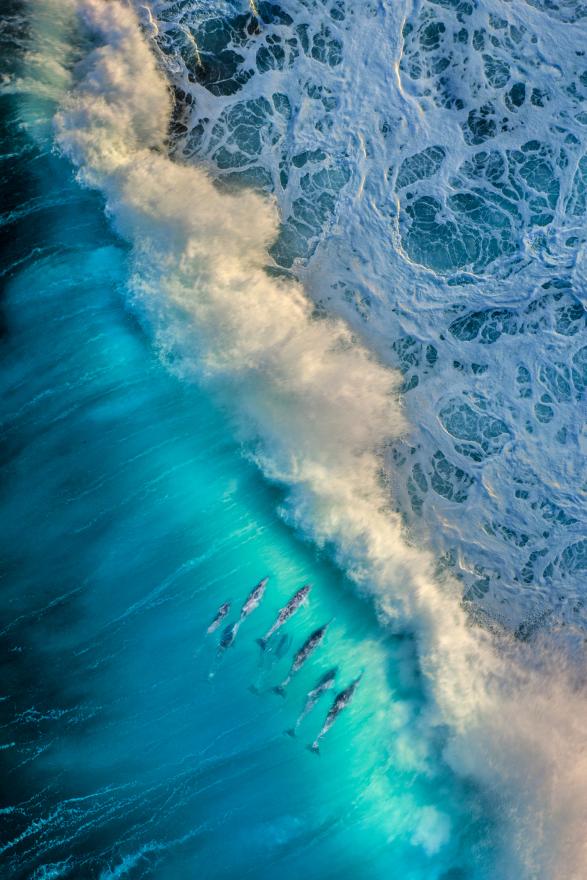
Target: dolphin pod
312 642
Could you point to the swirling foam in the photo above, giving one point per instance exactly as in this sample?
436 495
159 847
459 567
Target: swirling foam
429 164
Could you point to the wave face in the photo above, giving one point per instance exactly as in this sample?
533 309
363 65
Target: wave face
389 234
129 514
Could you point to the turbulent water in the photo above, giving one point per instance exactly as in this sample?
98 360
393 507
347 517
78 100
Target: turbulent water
340 246
429 164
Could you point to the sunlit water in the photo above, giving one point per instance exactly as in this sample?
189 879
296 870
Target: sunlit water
129 514
130 511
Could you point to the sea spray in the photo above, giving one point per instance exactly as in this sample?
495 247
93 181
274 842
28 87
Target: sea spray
158 520
320 411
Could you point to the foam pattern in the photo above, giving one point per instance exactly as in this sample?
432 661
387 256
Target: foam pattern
430 166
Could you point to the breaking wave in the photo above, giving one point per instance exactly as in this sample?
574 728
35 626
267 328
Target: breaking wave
320 412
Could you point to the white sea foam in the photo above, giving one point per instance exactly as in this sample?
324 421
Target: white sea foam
320 411
356 114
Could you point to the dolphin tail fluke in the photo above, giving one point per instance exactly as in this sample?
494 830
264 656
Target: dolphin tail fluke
291 731
254 689
279 689
314 747
262 643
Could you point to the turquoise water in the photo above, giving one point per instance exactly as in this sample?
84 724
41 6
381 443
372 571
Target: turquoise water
352 259
129 514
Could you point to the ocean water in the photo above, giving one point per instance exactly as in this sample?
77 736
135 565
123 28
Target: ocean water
429 163
318 313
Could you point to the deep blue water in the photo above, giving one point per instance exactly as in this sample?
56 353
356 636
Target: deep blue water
129 514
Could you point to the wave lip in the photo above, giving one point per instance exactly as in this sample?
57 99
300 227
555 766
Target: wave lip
320 411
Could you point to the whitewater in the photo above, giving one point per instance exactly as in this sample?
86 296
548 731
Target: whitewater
302 295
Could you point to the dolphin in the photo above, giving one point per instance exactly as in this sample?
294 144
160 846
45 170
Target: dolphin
324 683
286 612
220 615
312 642
228 636
341 701
251 602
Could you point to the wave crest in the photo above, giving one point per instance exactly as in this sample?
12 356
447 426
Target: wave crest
320 410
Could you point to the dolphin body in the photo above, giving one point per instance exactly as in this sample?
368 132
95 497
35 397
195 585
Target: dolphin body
341 701
228 636
252 601
298 598
324 683
312 642
220 615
